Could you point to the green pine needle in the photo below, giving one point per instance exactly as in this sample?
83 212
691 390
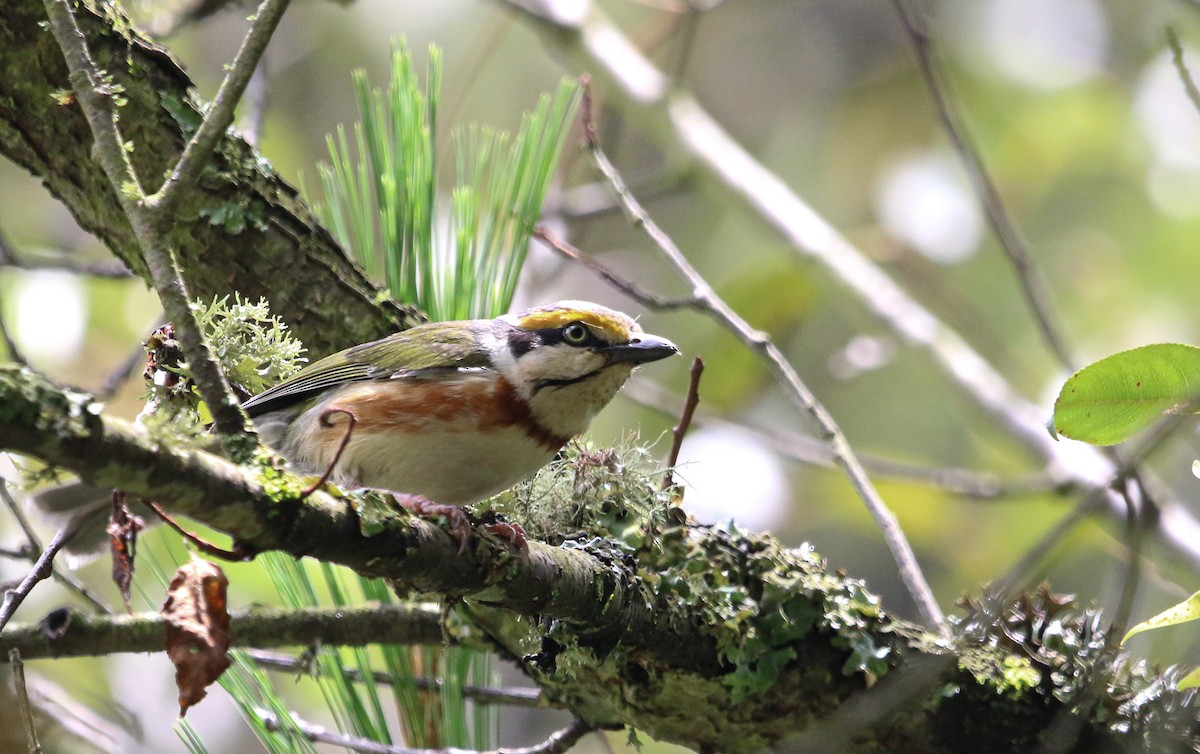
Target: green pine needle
381 199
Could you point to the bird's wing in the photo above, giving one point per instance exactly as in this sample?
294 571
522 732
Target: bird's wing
422 352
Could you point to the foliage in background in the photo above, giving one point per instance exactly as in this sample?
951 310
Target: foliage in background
1107 402
1184 612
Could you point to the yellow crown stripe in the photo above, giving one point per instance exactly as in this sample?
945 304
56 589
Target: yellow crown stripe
608 325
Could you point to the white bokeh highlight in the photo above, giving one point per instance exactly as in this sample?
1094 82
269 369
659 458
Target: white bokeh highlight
924 201
1048 45
50 317
727 473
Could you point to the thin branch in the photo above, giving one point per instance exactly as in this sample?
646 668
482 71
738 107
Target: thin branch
75 718
513 697
33 550
19 514
1032 287
1185 76
70 633
220 117
26 710
41 570
629 288
9 258
351 421
1134 494
558 742
593 42
685 421
1019 576
976 485
234 554
71 583
10 345
96 94
794 387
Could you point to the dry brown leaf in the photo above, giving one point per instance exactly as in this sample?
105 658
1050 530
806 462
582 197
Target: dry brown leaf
123 528
197 629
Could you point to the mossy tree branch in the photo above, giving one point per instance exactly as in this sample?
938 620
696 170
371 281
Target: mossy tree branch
625 636
238 204
620 636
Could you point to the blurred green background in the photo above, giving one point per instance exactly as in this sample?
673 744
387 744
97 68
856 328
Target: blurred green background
1075 106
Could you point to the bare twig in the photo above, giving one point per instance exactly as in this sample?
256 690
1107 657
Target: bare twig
1133 492
593 42
75 718
513 697
1019 576
794 387
33 550
685 421
1185 76
19 514
97 94
77 634
558 742
1032 287
26 710
976 485
40 571
629 288
236 554
9 258
200 147
11 347
596 43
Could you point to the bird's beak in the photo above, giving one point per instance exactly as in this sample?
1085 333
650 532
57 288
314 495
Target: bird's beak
640 350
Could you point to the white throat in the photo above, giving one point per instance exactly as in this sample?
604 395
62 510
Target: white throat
564 409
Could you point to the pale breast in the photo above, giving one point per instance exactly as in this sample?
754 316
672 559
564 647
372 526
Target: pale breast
455 441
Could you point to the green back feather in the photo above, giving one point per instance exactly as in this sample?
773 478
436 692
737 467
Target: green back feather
414 353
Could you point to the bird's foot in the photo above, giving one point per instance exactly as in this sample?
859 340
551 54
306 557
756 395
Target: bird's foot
460 525
513 533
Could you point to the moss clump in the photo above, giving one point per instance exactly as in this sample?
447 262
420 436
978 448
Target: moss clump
1040 656
29 399
770 611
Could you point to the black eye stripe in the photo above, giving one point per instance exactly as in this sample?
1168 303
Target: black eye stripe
521 342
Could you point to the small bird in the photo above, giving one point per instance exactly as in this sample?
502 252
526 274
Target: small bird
455 411
443 414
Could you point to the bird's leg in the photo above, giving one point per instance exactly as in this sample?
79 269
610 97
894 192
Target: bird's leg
419 505
351 420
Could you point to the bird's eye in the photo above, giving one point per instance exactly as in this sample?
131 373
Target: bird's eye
575 333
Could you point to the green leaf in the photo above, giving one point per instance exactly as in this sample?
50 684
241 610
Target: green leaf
1189 681
1185 611
1106 402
